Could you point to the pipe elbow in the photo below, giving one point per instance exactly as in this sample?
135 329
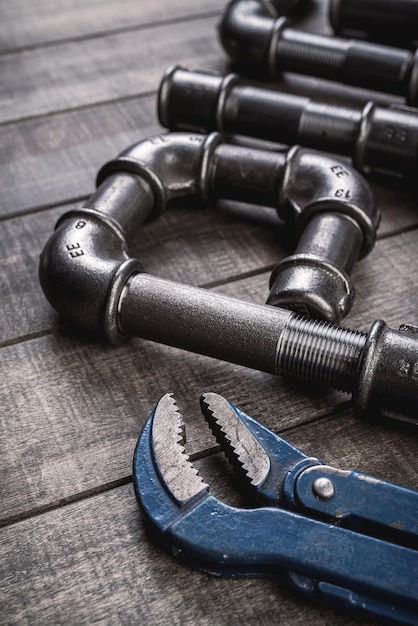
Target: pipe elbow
86 261
333 208
173 165
247 27
83 268
314 182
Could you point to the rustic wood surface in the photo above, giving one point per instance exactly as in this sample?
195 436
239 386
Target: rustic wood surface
78 85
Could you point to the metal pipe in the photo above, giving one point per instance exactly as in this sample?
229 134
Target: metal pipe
155 171
378 139
380 20
379 368
253 33
88 276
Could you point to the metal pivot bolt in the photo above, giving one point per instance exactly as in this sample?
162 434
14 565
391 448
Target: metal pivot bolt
323 488
252 32
378 139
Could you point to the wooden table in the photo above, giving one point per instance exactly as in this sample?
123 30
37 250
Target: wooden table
79 83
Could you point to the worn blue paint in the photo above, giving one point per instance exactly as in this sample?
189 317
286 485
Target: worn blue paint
340 565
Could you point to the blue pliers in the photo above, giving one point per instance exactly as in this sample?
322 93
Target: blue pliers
341 537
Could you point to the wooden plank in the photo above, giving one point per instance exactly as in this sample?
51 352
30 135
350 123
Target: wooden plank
92 561
84 73
48 161
43 21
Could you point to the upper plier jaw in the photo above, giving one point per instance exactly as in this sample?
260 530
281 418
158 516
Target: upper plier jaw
267 464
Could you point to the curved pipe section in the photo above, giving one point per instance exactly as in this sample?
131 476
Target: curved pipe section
86 262
254 33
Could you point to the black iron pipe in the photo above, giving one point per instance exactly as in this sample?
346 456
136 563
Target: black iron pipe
307 189
253 33
378 139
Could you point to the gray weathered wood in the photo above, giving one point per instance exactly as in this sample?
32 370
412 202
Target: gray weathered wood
44 21
48 161
79 84
77 74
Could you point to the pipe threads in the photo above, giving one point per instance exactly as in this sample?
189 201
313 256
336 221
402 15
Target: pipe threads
301 53
320 352
323 124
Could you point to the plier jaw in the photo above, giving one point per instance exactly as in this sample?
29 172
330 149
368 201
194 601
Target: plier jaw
342 566
266 463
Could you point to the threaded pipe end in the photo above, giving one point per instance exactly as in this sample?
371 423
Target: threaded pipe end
325 126
320 353
308 53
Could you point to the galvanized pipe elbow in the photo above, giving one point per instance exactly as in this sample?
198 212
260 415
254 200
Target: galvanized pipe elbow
334 210
255 32
247 27
86 261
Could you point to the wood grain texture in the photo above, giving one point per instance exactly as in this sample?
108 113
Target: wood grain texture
79 83
45 21
48 161
84 73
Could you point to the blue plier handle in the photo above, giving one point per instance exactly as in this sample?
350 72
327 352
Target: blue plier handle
341 537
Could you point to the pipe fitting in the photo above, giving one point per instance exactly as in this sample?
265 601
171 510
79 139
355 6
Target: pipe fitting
90 279
315 280
248 40
378 139
329 204
87 259
250 34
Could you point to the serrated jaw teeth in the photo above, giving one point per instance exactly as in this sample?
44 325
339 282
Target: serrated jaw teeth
168 438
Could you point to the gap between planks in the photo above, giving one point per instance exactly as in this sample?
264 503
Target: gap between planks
105 33
336 412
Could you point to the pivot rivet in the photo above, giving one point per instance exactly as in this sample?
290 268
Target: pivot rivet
323 488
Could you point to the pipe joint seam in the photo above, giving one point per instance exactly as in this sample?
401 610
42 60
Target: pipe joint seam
171 164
